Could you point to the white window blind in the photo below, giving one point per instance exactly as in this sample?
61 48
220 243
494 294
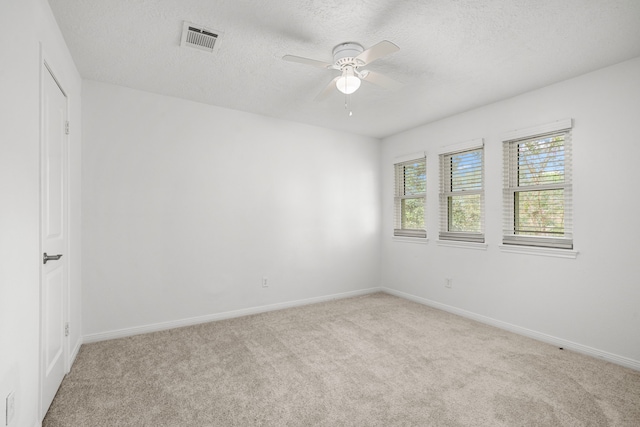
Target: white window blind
462 195
410 197
537 190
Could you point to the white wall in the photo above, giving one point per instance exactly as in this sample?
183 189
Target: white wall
186 206
592 301
24 25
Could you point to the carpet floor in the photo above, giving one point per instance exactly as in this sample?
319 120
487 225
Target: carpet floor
375 360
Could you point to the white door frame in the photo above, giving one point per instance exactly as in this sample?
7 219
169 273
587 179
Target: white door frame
46 68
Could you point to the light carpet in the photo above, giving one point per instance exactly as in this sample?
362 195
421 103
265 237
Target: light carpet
375 360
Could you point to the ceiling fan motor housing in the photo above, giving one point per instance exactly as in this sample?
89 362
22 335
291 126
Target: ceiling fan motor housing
345 53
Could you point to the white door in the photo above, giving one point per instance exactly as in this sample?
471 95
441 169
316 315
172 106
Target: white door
53 279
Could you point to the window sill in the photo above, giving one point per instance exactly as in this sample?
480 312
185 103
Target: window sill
466 245
418 240
532 250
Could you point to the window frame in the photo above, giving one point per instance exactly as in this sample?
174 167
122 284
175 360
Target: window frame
511 186
446 193
400 195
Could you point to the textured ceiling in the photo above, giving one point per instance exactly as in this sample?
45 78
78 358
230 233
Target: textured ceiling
454 54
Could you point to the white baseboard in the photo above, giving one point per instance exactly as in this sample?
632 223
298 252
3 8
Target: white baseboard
127 332
549 339
75 351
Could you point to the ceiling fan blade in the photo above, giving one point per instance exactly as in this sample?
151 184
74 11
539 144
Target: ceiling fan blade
327 90
381 80
377 51
307 61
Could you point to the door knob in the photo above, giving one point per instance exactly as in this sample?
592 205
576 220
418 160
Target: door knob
46 257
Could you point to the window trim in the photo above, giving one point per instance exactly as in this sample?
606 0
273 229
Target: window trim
460 236
529 132
405 239
461 244
540 251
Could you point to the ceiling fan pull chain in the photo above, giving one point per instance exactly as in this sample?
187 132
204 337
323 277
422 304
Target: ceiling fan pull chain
350 105
347 102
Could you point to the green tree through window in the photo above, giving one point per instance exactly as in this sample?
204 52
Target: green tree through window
410 182
540 212
538 191
461 195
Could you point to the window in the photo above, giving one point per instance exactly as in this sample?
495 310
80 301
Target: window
462 192
537 189
410 189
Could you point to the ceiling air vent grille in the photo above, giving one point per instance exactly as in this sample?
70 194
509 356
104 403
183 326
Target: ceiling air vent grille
199 37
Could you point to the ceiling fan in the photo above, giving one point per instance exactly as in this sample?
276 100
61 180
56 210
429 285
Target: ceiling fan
349 58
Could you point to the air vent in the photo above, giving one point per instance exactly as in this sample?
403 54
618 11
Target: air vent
199 37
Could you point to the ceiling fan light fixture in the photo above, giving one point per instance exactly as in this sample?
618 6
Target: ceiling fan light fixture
348 84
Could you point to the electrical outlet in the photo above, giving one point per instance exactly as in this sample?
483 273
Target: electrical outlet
11 407
265 282
448 282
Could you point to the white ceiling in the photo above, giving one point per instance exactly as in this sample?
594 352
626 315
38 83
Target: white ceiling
454 54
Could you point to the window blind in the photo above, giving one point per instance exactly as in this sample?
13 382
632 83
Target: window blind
462 195
410 197
538 191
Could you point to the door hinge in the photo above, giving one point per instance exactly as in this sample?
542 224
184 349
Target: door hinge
66 329
66 127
